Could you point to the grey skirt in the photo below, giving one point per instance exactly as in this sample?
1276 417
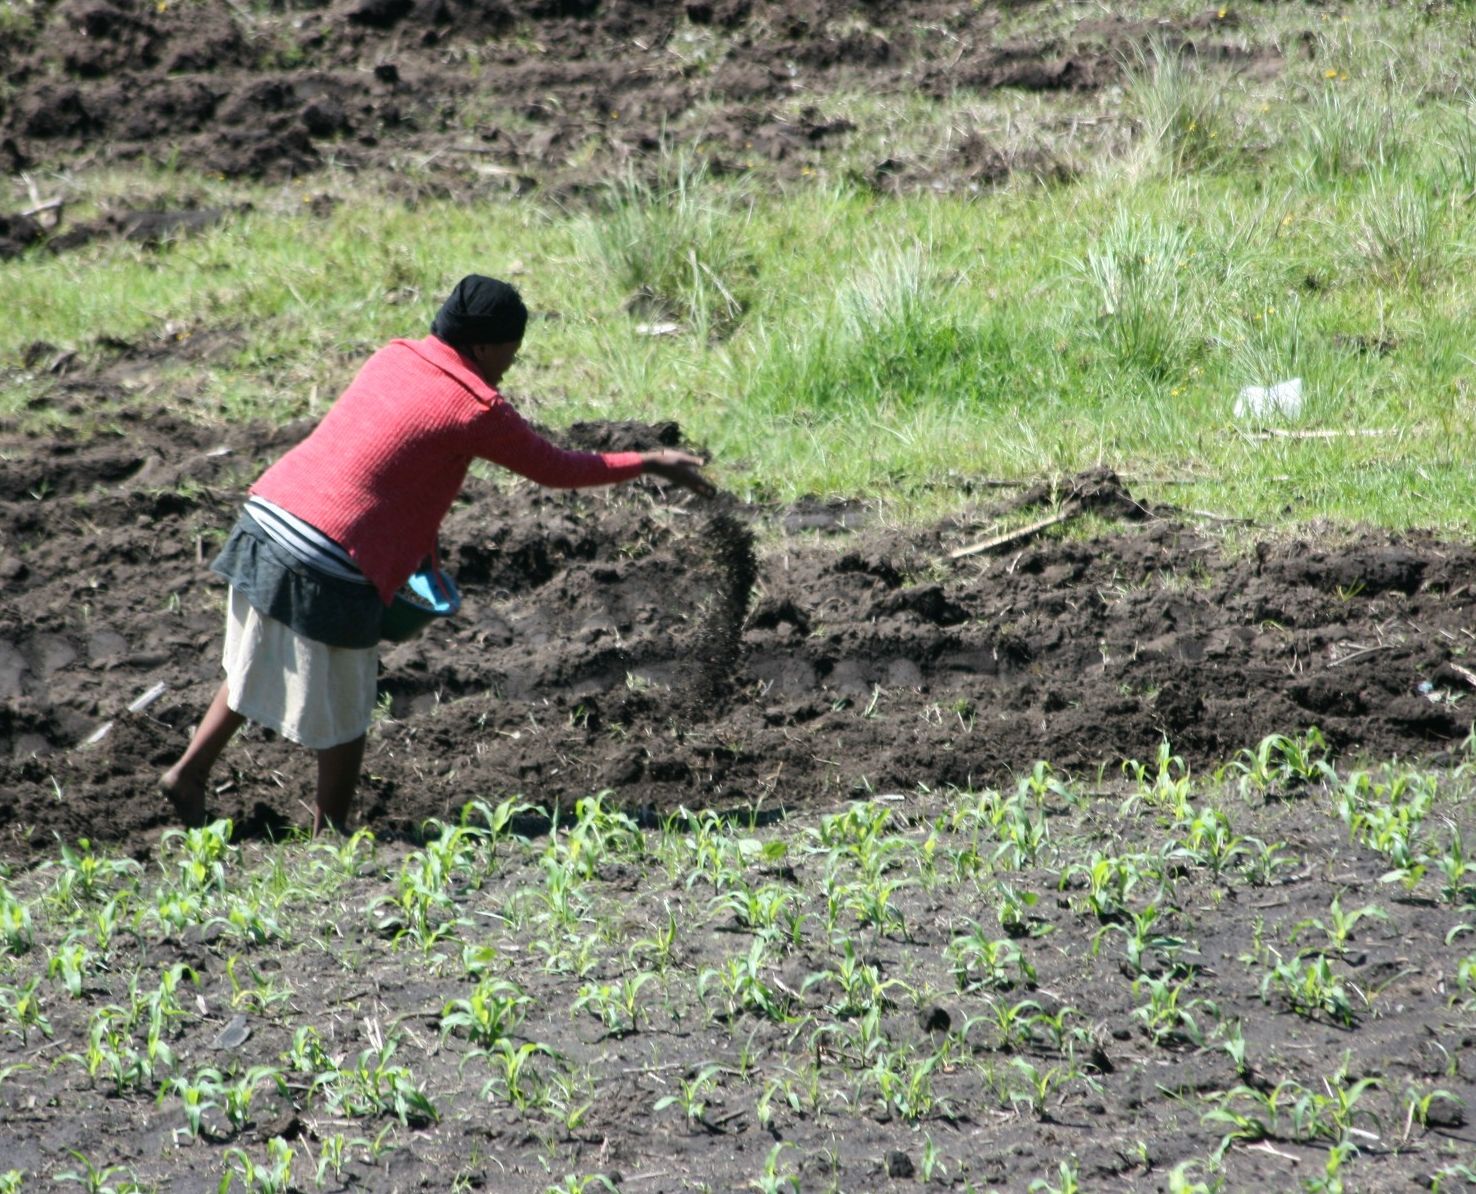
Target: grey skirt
326 609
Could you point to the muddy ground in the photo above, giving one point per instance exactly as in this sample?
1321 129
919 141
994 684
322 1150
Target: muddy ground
607 640
866 658
611 640
548 97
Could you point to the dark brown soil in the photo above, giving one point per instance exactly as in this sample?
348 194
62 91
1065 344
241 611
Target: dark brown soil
608 641
548 96
611 640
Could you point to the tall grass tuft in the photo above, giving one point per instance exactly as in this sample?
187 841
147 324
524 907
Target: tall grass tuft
1401 234
1457 167
1345 133
1135 278
890 339
1267 347
676 246
1182 117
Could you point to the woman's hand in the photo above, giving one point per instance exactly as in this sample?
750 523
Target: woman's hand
680 468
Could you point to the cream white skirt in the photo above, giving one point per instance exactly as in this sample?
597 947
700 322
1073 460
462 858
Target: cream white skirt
312 694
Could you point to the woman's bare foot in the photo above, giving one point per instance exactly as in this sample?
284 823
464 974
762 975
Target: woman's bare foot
186 793
183 785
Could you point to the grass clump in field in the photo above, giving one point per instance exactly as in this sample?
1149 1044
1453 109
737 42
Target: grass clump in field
828 335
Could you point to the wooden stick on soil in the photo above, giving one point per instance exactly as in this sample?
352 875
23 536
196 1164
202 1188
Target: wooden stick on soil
1065 514
1328 433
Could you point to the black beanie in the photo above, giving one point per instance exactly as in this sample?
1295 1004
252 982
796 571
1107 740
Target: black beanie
481 311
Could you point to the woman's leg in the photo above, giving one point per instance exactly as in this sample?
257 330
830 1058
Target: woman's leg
338 776
184 783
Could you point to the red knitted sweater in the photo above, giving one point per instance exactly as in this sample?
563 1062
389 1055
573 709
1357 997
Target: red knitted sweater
378 474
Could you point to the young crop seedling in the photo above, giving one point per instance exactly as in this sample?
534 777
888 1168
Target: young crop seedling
1140 937
1013 1022
1182 1180
1422 1107
1232 1041
744 987
334 1156
1213 843
259 992
1309 987
769 910
1037 1086
859 983
774 1179
1167 786
904 1083
575 1183
99 1179
272 1176
201 856
488 1015
1334 1115
598 832
1109 882
1330 1181
615 1005
237 1093
1264 861
776 1089
571 953
1168 1016
693 1095
1066 1174
370 1085
105 921
659 948
1339 925
343 858
1013 911
1055 1031
1457 870
1387 816
16 933
21 1008
1261 1120
1282 765
564 902
197 1095
980 962
498 822
84 877
1022 832
704 849
871 901
522 1086
111 1047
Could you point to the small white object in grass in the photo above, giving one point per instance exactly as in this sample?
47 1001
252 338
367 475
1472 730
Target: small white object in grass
1283 400
657 329
144 700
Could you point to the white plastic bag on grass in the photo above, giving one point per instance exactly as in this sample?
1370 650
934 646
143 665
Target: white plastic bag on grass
1281 401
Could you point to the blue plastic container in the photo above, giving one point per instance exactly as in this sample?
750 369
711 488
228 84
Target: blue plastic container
428 594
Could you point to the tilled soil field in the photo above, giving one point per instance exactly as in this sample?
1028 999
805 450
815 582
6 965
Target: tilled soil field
548 97
610 640
844 692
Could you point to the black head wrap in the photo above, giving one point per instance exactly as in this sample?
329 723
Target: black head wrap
481 311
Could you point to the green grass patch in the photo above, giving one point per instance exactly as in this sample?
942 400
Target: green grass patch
819 337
